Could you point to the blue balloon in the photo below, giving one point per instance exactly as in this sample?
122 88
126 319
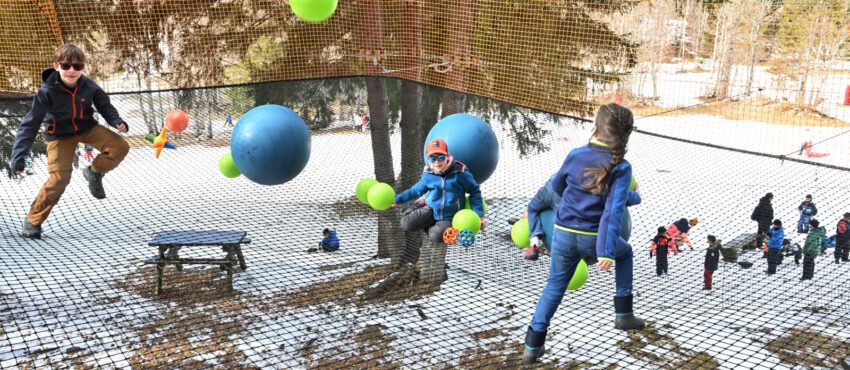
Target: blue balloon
470 140
270 144
547 219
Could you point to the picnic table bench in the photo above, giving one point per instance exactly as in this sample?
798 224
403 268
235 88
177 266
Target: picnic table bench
730 250
230 242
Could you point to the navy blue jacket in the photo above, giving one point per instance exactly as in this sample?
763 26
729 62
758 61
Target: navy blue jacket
64 113
842 235
582 211
331 239
683 225
808 209
446 191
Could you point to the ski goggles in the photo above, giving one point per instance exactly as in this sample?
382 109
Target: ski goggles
435 158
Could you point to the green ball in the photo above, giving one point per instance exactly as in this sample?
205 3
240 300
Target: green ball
381 196
519 233
467 219
313 11
227 167
363 189
579 277
633 185
466 206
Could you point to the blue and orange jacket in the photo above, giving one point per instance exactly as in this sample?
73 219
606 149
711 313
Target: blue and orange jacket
65 112
446 192
583 212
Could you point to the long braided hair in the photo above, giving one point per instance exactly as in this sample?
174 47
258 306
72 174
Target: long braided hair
613 125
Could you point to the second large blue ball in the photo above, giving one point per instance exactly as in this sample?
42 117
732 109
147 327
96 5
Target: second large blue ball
270 144
470 140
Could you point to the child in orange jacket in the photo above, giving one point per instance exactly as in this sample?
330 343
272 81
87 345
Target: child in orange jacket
678 232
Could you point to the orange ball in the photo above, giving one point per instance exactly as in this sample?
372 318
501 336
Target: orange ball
450 235
177 120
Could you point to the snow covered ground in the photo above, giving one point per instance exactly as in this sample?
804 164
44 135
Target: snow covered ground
70 298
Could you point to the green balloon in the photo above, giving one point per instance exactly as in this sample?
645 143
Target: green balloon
466 206
579 277
313 11
633 185
363 189
381 196
467 219
519 233
227 167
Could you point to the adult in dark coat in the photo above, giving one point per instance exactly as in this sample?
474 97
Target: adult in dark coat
763 214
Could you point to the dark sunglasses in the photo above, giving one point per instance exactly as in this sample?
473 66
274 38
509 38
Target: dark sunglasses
434 158
67 66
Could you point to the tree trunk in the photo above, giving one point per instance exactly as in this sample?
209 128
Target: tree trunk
462 21
411 124
453 102
432 263
382 156
431 99
751 67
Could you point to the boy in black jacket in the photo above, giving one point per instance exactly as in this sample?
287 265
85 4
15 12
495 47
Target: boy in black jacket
660 246
712 258
65 105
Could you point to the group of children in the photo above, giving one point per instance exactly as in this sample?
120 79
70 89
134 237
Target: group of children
594 182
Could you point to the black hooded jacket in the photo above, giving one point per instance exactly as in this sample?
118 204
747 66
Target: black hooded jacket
64 112
763 214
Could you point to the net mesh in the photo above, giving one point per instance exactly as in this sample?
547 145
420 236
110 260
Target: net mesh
732 100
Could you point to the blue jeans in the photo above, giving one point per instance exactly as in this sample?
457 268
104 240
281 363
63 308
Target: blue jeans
544 199
567 249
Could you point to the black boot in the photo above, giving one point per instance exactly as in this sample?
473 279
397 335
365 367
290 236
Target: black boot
535 345
95 183
626 319
30 231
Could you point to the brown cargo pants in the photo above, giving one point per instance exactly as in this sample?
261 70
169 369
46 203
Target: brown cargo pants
60 159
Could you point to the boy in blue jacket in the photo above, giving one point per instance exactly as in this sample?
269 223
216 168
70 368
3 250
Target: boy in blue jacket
330 242
774 246
65 106
445 183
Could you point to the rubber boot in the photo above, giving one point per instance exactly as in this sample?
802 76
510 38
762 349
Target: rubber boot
535 345
626 319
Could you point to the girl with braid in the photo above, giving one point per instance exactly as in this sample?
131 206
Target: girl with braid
594 185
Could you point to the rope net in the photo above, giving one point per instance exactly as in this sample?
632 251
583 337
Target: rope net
732 100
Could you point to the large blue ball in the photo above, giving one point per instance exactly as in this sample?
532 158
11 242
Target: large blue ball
547 219
270 144
470 140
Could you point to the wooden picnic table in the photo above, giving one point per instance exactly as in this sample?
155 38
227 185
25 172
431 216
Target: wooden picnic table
172 241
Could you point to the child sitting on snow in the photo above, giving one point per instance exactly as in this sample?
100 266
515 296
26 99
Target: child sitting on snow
329 243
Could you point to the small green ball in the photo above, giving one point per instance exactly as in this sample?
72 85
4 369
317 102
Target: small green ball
519 233
227 167
313 11
363 189
381 196
467 206
467 219
579 277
